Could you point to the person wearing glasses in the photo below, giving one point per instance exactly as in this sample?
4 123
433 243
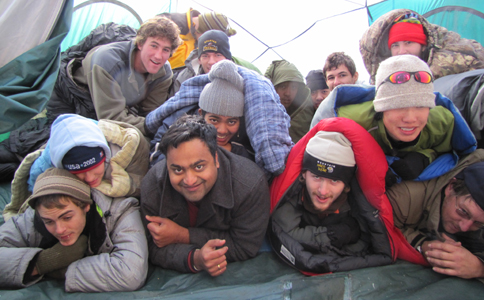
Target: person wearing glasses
443 218
413 125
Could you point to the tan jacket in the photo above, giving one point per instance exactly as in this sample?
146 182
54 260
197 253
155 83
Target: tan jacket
416 205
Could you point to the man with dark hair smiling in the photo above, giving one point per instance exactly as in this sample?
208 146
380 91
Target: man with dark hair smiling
202 205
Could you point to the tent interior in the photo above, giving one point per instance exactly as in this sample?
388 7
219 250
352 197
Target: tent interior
304 33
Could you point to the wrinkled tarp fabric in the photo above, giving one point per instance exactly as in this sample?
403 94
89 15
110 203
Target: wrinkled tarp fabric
26 82
265 277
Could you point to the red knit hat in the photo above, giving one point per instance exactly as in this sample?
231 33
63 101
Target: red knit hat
406 31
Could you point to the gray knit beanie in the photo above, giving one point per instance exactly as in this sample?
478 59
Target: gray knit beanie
409 94
330 155
224 95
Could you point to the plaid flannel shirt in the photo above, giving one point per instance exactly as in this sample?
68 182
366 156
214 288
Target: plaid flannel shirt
267 122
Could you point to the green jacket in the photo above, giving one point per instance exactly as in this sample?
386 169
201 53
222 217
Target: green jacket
301 110
435 138
447 53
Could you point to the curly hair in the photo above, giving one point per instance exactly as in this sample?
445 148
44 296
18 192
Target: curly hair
336 59
159 27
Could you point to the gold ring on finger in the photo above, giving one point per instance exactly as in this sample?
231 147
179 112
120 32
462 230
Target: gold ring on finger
218 267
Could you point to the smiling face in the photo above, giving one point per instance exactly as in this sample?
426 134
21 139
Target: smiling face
340 75
65 224
152 55
460 213
208 59
226 127
93 177
192 169
407 47
287 92
322 191
405 124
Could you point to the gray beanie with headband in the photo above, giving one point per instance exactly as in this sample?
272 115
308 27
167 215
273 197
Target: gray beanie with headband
330 155
224 95
408 94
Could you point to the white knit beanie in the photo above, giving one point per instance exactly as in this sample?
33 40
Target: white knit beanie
409 94
330 155
224 95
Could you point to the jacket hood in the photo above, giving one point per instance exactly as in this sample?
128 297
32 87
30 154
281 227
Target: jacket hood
281 71
69 131
374 43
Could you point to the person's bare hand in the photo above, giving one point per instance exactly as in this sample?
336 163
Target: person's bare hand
210 258
166 232
450 258
425 245
448 240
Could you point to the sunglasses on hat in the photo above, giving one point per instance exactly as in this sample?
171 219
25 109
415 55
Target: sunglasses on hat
404 76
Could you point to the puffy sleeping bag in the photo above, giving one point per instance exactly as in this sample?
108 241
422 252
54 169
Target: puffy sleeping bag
382 243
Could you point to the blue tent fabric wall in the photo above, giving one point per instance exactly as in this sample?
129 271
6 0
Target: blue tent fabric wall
27 81
88 15
465 17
